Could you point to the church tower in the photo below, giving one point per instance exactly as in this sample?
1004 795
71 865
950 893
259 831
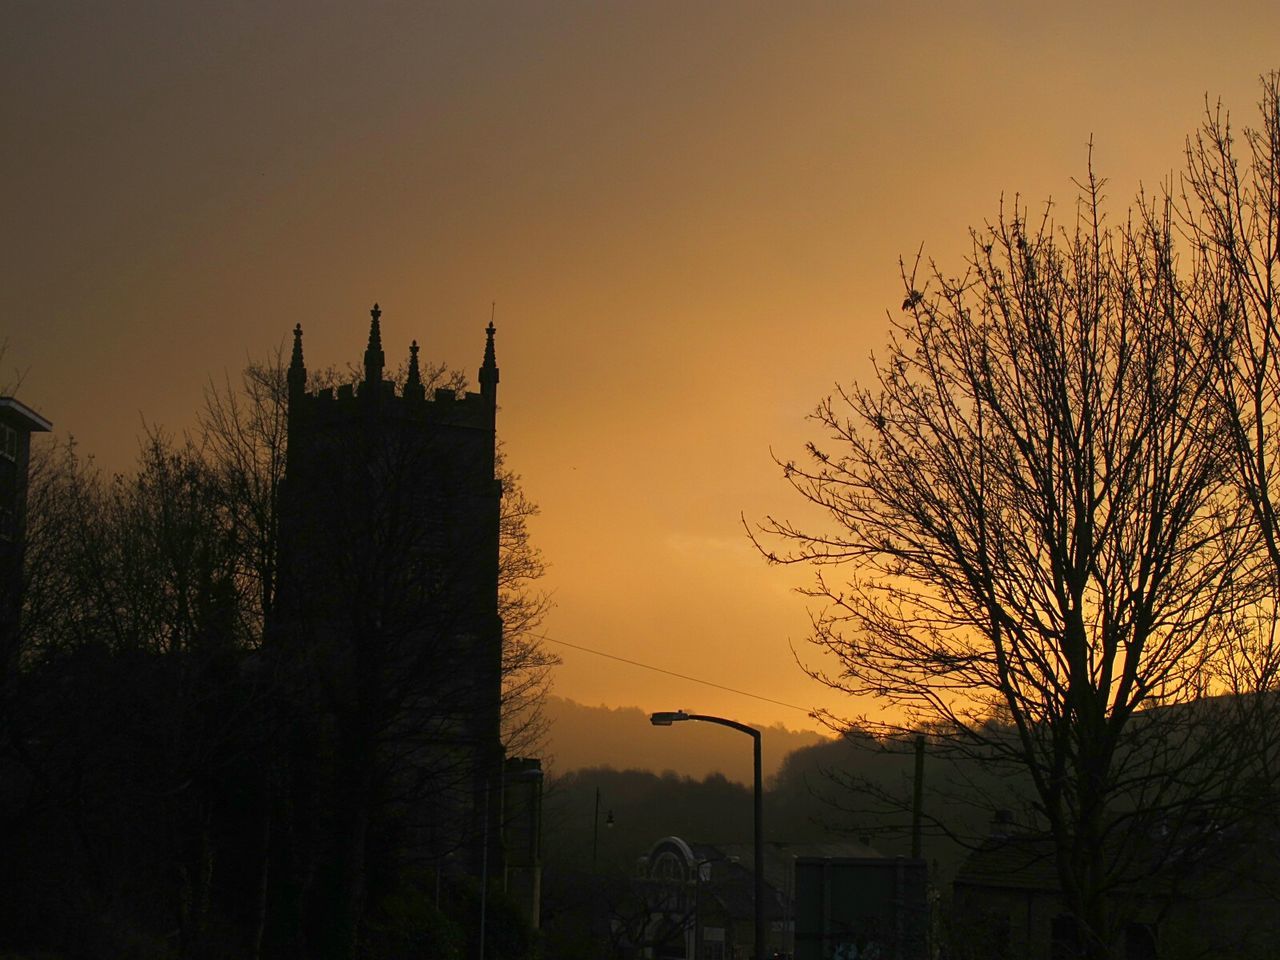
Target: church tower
388 611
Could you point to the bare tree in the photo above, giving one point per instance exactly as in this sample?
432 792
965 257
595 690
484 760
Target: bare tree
1044 561
1230 216
244 431
526 662
133 727
11 383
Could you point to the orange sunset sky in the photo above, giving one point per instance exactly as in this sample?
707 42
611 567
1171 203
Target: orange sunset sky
689 215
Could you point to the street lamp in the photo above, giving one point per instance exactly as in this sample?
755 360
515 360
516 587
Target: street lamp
665 719
595 831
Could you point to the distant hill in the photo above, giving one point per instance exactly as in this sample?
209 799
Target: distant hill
622 738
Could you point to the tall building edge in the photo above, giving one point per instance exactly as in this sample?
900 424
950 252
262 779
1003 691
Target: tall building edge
17 423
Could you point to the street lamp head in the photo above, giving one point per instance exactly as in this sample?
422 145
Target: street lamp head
667 717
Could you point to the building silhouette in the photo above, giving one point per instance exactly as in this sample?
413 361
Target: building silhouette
387 614
838 898
17 423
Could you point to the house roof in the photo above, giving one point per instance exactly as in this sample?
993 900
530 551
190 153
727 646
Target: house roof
1023 863
17 414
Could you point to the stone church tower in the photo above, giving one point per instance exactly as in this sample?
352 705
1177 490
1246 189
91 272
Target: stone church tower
388 608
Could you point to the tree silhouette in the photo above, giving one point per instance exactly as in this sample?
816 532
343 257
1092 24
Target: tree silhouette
1045 563
170 781
1230 208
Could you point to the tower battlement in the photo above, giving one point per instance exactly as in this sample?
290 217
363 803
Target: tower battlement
374 396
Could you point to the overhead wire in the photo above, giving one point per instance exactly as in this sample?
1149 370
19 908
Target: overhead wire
682 676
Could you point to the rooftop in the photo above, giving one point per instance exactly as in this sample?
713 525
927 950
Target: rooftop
17 414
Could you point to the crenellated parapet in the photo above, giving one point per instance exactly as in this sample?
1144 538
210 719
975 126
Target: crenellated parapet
377 397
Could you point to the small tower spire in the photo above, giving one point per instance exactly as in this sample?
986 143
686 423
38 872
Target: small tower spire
297 375
489 369
373 356
413 387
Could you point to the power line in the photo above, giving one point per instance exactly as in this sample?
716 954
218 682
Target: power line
682 676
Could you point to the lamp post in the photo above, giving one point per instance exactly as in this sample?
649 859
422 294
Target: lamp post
665 719
595 862
595 832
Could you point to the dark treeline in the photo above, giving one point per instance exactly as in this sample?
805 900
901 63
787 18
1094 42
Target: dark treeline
600 822
167 776
622 738
853 788
856 788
